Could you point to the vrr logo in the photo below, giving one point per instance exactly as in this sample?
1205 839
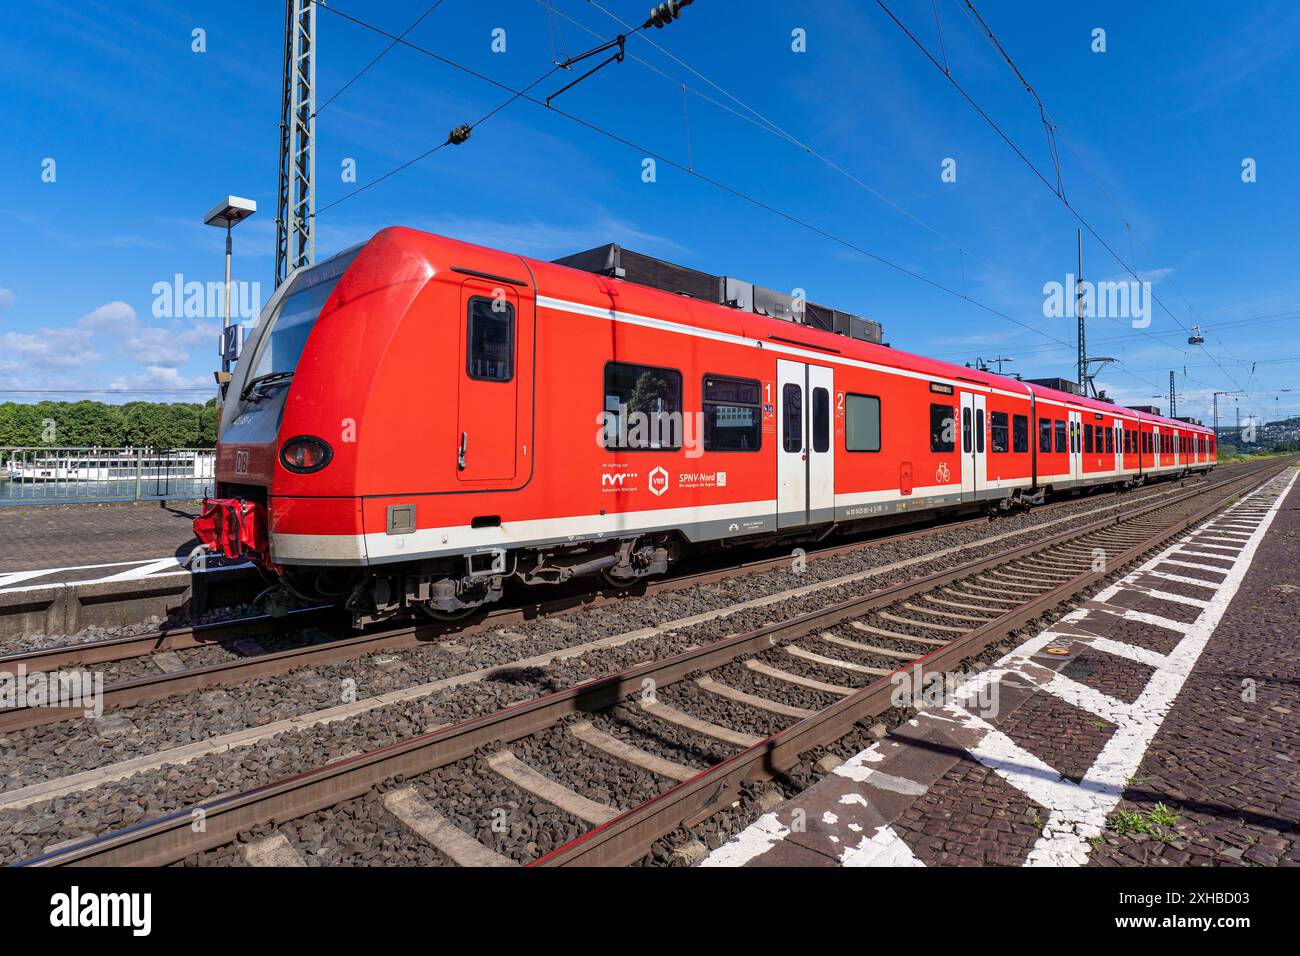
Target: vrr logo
658 480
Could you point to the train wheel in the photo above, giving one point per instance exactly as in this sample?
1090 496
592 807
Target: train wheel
447 616
614 583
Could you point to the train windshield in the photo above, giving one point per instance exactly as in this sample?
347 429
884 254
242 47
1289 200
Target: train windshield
288 327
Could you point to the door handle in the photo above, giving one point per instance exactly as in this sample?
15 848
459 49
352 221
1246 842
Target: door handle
460 453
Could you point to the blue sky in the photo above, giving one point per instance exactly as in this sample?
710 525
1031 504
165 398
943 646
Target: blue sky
147 134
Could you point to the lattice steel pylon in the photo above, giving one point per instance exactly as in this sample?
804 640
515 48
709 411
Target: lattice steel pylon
295 216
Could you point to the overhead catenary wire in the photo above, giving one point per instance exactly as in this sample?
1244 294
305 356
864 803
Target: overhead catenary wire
382 53
516 94
1034 168
766 123
968 7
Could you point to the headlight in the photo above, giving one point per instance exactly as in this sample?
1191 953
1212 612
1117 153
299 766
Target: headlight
305 454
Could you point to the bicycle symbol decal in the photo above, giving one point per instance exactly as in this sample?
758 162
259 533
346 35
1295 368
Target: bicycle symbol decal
942 476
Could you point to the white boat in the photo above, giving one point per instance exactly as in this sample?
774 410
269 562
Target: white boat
98 466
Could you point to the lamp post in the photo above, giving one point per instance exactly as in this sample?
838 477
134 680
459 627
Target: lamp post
227 214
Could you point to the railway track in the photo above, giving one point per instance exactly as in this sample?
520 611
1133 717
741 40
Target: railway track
321 647
811 678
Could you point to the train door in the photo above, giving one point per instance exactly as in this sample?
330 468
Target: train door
1178 451
974 453
1118 428
806 451
495 339
1074 443
1155 447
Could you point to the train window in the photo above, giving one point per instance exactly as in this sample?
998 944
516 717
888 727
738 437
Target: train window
491 339
1044 434
1060 435
1110 441
1087 438
792 410
643 407
732 414
821 423
1020 433
999 432
862 423
979 430
965 430
942 427
287 330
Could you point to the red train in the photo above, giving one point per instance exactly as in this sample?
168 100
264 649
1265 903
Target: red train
417 420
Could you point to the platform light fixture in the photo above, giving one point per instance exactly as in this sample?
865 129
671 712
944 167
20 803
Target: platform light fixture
227 214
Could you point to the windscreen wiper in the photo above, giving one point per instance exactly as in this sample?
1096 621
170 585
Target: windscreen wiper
268 379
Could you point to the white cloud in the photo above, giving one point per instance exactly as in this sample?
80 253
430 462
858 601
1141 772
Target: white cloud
47 349
158 376
115 316
159 346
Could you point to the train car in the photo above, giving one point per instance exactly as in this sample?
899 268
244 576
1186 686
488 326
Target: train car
418 420
1170 447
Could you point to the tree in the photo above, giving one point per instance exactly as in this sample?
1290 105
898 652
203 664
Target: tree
90 424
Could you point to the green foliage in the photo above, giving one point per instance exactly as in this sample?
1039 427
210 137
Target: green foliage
1158 822
154 424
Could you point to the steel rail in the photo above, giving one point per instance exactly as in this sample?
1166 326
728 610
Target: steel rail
109 650
173 837
628 837
226 673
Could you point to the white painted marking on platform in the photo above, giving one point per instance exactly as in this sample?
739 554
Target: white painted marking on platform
884 848
1193 564
752 842
1131 651
1078 811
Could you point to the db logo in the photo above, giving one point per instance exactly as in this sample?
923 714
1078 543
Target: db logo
658 480
241 462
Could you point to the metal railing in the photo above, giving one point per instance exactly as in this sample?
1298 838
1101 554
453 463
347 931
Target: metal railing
55 475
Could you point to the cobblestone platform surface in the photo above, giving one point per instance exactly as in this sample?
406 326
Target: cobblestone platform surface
1154 724
78 542
1227 758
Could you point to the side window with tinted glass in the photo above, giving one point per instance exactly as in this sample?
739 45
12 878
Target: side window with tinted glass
862 423
491 340
941 428
821 420
792 414
732 414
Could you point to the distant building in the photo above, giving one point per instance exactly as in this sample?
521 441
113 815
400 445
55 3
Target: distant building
1283 435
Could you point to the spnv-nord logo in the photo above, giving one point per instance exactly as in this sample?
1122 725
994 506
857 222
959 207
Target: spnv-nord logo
658 479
